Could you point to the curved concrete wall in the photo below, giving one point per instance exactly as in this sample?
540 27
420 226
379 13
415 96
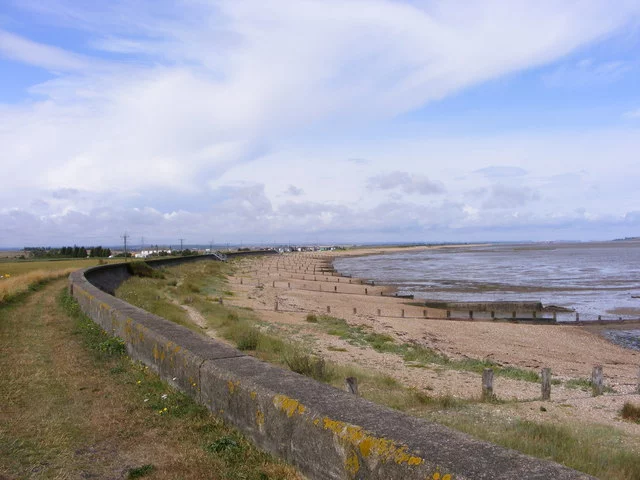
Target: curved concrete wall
325 432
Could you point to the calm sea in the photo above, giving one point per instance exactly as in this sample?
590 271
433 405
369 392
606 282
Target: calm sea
591 278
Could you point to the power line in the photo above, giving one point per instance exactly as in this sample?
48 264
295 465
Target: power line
181 240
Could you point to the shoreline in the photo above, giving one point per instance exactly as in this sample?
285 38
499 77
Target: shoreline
282 293
611 317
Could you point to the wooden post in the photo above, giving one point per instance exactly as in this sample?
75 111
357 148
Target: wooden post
493 315
275 307
487 385
546 383
351 384
424 313
402 314
328 309
273 284
638 372
471 314
335 289
349 280
240 281
448 313
366 291
597 385
289 284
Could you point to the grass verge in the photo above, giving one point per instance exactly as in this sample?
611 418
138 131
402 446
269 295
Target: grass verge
12 287
595 450
74 406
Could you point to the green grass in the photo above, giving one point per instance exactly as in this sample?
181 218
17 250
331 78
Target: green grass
585 385
140 268
140 472
595 450
415 355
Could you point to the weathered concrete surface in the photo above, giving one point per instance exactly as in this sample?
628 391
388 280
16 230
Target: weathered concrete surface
327 433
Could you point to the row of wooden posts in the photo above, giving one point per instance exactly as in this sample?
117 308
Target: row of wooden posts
402 312
597 383
492 313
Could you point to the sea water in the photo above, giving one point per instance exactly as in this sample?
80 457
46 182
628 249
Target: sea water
592 279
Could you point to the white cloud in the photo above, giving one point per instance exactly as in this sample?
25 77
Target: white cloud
408 183
294 191
497 171
503 196
190 94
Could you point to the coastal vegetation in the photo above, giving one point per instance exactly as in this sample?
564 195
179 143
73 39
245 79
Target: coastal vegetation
202 287
630 412
414 354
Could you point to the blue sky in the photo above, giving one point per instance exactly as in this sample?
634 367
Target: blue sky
318 121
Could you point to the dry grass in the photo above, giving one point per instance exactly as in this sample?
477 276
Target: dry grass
13 286
630 412
73 406
20 267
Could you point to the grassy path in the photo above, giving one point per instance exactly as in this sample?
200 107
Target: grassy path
73 406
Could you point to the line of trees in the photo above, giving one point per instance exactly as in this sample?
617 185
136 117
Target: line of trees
68 252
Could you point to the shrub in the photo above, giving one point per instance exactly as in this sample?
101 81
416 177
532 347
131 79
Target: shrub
112 346
631 412
248 340
142 269
140 472
311 318
305 364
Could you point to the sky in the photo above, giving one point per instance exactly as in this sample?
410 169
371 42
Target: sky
318 121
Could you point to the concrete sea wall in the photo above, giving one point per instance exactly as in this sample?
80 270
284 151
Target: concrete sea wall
327 433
